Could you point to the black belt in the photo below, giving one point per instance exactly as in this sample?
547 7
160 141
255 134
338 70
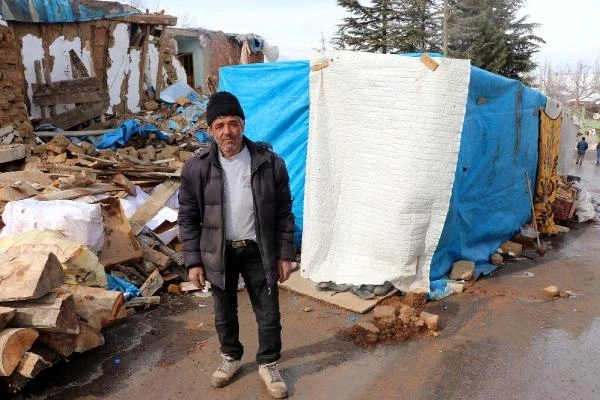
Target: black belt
238 244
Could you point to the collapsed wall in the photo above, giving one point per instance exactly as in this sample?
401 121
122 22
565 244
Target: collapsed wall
12 99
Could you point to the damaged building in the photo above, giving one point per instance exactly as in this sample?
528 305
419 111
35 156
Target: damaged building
69 62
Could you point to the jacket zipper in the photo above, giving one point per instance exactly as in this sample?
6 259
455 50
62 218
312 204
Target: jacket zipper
258 237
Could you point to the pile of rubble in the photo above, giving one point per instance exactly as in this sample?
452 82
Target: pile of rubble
395 323
89 232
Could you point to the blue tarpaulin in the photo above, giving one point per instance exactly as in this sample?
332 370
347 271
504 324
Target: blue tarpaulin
275 100
489 199
62 10
118 137
499 143
129 290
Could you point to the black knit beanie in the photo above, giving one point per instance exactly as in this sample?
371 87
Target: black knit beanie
221 104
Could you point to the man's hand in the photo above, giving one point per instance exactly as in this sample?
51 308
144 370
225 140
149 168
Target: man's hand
196 276
285 269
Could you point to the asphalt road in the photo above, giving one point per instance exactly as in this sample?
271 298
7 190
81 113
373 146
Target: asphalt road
500 339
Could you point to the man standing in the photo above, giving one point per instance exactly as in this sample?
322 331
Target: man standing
582 146
235 218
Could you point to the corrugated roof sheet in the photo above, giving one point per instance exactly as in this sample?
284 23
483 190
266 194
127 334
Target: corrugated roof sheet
62 10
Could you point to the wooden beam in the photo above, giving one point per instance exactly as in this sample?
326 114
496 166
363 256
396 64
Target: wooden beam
37 65
47 79
70 194
71 98
91 132
120 245
149 19
66 86
143 301
161 57
77 115
152 205
77 66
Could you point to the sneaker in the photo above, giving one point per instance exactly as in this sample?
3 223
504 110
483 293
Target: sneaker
273 380
223 375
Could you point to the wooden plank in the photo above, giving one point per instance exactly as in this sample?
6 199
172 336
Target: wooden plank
188 287
77 115
77 66
46 71
122 181
70 194
149 19
155 257
6 314
27 276
87 96
14 343
96 306
161 57
120 244
55 312
143 60
152 205
143 301
37 65
67 86
152 284
31 176
12 152
91 132
346 300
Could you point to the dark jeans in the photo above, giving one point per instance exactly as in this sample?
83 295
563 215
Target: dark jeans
247 261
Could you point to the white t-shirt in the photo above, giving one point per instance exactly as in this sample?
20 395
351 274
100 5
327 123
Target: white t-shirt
238 202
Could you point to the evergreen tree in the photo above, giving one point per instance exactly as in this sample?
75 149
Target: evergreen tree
373 29
420 26
489 33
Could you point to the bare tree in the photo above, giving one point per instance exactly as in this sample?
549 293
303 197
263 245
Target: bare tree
573 84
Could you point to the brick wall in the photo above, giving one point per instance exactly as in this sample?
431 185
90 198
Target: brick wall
225 51
12 84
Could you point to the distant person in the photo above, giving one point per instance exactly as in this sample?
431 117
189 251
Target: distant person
235 217
582 146
597 154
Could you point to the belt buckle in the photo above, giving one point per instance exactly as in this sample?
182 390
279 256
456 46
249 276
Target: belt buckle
238 244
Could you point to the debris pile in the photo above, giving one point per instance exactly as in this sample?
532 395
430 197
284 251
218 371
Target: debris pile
99 236
43 320
395 323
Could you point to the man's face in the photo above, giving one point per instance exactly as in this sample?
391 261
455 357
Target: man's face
227 132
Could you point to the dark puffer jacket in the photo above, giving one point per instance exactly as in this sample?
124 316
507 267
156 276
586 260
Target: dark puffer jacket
201 213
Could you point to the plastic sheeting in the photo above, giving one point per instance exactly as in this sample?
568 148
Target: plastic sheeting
62 10
118 137
489 200
275 101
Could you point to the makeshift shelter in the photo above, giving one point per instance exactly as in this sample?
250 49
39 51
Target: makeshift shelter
487 200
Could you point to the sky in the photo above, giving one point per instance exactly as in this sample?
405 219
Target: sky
570 28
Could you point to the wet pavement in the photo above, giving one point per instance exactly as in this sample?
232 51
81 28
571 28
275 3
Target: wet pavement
500 339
